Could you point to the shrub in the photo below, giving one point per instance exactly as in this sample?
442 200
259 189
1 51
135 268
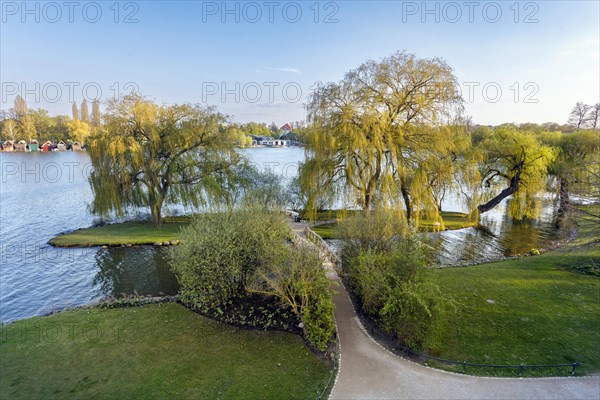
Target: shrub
385 264
227 261
220 252
375 230
415 312
299 281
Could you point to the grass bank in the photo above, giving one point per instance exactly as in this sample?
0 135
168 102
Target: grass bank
146 233
135 233
532 310
152 351
452 220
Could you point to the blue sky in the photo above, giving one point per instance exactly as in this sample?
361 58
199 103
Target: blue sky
529 63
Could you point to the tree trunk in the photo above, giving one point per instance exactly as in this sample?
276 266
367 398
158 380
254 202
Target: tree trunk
563 195
372 184
563 201
514 185
156 203
406 197
366 201
156 215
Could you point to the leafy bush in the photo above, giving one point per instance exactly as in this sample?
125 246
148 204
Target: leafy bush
238 268
299 281
220 252
386 267
415 311
375 230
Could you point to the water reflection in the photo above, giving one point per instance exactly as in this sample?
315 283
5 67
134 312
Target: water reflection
37 278
500 237
142 270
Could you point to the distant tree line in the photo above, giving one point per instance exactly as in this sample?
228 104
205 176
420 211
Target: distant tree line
23 123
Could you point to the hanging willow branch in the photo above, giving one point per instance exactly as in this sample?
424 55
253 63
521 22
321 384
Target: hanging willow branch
382 130
149 155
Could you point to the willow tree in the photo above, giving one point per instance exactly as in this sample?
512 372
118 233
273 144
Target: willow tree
376 131
518 163
149 155
577 165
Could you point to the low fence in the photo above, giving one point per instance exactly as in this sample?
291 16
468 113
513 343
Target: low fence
571 368
323 247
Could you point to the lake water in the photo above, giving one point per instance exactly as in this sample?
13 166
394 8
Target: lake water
45 194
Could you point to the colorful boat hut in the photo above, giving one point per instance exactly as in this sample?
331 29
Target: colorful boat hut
34 145
21 146
48 146
8 146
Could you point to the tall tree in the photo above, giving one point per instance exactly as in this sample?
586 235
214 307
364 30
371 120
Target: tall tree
594 117
9 129
375 131
577 165
579 115
75 111
85 114
148 155
517 162
43 123
27 127
96 116
273 128
20 108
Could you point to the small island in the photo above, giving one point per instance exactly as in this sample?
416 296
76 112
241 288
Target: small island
121 234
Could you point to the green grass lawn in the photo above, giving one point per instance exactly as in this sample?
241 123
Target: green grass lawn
161 351
118 234
143 232
452 220
543 309
327 215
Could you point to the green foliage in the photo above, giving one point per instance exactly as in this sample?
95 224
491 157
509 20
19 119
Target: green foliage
370 231
79 130
299 281
248 186
227 259
517 162
220 252
577 164
148 155
415 311
380 135
386 268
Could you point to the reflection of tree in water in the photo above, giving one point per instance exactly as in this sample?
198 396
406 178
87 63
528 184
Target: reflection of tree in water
518 237
142 270
498 237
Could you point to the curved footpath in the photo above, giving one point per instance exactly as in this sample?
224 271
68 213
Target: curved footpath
368 371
